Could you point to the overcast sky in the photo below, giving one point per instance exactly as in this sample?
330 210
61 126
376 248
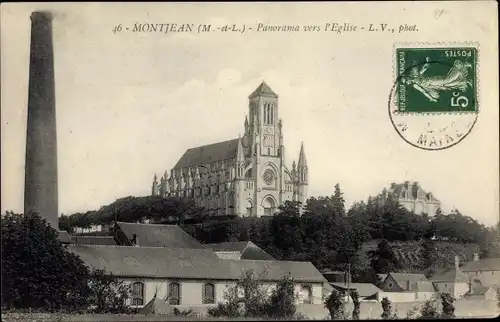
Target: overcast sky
130 104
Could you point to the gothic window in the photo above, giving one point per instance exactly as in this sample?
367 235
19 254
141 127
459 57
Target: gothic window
174 293
268 151
208 293
137 293
307 293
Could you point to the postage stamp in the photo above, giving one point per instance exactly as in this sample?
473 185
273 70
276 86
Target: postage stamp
433 104
436 79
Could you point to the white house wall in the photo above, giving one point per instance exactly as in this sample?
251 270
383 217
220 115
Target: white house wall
192 290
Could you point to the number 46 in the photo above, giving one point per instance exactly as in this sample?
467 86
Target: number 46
457 100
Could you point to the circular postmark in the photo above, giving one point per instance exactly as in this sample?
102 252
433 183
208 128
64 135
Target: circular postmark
433 102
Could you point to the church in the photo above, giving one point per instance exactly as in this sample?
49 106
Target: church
245 176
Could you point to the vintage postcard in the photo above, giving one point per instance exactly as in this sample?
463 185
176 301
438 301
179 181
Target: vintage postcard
271 160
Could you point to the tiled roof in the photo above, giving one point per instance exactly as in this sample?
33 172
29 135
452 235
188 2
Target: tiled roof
153 235
364 289
154 262
93 240
401 278
485 264
247 249
424 286
452 275
162 262
300 271
263 90
208 153
412 189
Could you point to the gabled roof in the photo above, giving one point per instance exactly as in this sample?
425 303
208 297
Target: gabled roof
153 235
162 262
479 290
246 249
263 90
208 153
485 264
453 275
275 270
153 262
402 278
364 289
93 240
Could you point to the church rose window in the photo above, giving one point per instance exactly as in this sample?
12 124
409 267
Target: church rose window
268 176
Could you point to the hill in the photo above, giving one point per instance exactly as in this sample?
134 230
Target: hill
412 254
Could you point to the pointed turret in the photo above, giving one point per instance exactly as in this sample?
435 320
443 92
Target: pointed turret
302 158
154 188
246 124
240 156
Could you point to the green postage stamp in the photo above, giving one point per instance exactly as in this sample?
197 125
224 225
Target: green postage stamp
436 79
434 101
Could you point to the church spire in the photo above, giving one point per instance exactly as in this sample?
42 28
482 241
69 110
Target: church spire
246 124
302 158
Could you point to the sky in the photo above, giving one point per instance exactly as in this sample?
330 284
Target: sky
130 104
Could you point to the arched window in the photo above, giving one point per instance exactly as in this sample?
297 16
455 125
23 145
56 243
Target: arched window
307 294
174 293
208 293
137 293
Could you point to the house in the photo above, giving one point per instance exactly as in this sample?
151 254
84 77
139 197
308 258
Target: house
153 235
193 277
452 281
479 292
239 250
413 197
364 290
335 276
400 282
486 270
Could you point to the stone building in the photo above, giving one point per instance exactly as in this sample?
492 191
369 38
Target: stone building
246 176
414 198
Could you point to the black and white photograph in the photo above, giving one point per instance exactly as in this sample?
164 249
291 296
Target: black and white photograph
249 161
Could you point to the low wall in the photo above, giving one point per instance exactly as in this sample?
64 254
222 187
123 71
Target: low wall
373 309
369 310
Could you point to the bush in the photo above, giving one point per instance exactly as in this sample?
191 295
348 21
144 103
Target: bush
448 307
107 294
282 301
429 310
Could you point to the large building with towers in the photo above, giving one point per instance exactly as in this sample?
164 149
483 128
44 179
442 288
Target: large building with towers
246 176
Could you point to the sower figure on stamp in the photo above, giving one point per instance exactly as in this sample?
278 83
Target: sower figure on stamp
430 86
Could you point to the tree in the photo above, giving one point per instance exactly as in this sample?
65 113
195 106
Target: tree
429 310
37 271
448 307
387 313
282 300
336 305
339 201
107 293
383 260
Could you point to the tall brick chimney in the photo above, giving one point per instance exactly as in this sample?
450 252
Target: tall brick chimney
40 189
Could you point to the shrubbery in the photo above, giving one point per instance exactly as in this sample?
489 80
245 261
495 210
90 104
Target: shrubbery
254 301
